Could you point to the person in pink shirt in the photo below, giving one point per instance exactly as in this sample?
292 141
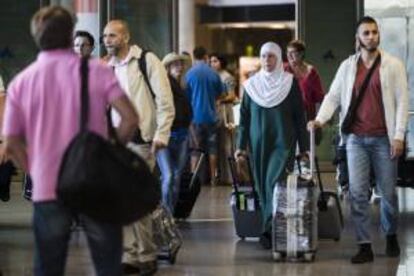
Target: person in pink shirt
41 118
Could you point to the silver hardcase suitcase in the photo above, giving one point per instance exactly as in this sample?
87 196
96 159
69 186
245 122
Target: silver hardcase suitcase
295 214
294 221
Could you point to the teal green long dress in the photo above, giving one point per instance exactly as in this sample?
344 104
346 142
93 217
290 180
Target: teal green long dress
271 135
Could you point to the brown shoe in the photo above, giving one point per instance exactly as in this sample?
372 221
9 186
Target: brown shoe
148 268
128 269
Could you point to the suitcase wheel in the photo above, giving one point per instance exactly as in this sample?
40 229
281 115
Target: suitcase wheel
309 257
242 237
337 239
277 256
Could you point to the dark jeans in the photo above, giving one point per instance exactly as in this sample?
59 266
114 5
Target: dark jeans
52 224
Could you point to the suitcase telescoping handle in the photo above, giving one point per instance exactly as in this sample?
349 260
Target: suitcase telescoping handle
314 166
232 163
312 151
312 156
197 168
236 180
234 175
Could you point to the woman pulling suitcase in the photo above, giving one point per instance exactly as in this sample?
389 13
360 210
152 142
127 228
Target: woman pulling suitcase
272 122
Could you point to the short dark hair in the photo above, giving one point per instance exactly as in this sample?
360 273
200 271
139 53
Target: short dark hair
299 45
86 34
185 53
221 58
52 28
366 20
199 52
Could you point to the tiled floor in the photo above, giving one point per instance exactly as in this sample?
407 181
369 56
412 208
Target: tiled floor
211 246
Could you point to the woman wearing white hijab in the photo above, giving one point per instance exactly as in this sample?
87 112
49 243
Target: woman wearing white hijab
272 122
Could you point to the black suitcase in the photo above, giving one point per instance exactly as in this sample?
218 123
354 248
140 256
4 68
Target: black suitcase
244 203
406 167
330 217
190 188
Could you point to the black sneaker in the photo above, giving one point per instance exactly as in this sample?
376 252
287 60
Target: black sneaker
393 248
266 240
364 255
148 268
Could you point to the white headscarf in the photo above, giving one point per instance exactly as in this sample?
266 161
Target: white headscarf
269 89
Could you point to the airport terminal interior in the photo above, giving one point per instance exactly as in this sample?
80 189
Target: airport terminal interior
236 29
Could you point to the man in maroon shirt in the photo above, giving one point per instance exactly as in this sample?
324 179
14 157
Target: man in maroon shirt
374 137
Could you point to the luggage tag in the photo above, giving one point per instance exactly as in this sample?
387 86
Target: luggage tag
242 202
251 204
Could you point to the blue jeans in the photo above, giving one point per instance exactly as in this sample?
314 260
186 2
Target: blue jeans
172 161
52 225
364 152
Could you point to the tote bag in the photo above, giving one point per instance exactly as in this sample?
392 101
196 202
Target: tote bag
102 178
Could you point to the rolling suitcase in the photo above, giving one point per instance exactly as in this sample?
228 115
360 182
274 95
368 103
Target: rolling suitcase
405 176
244 202
294 220
190 188
330 217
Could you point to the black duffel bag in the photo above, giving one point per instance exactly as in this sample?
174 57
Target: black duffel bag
102 178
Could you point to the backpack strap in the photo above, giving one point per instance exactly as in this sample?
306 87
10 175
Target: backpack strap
142 65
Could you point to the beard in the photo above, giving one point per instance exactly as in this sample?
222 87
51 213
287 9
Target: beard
112 50
368 48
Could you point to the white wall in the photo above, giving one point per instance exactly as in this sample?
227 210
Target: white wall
385 4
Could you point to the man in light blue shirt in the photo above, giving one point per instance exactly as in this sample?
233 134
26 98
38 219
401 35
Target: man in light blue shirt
204 87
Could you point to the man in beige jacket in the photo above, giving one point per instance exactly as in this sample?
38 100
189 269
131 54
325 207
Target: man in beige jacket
156 113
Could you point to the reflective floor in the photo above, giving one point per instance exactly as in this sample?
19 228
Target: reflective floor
211 246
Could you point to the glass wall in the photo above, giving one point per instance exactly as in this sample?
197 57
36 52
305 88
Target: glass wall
17 48
150 23
396 23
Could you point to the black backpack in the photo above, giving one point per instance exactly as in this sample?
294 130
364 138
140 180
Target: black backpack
183 112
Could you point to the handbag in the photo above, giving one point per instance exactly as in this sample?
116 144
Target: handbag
350 115
102 178
7 170
27 187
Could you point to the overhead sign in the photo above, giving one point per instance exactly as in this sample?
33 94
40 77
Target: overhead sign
222 3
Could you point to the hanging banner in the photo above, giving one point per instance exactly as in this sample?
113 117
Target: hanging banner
223 3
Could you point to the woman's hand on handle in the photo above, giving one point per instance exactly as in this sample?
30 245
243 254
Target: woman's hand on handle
240 154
